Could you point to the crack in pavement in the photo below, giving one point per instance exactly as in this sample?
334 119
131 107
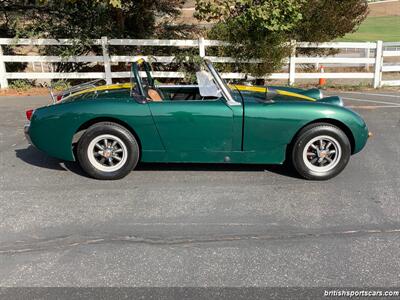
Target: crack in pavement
64 242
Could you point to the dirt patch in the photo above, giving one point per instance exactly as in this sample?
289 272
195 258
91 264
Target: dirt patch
30 92
385 9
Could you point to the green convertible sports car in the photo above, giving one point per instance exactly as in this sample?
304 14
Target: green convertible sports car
108 129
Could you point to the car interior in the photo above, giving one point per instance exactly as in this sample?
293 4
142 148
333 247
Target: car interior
181 93
206 90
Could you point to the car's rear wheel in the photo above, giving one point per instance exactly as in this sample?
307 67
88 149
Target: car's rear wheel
320 151
107 151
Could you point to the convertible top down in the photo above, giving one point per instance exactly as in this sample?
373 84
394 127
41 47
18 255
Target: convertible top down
108 129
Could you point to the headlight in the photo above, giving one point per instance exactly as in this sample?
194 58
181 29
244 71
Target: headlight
321 94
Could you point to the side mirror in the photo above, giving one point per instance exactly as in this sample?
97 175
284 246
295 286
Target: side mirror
270 94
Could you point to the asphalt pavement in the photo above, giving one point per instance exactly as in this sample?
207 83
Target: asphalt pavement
201 225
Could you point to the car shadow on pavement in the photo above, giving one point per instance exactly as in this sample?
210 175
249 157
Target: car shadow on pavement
278 169
34 157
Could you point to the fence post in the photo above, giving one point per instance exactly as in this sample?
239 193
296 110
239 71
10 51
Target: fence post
378 64
106 59
367 55
202 47
292 64
3 71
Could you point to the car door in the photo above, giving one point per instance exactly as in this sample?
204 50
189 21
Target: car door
194 127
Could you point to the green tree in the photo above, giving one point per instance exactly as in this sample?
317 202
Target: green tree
254 29
326 20
84 20
263 29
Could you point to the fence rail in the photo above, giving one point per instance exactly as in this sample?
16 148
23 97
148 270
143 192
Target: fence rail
379 49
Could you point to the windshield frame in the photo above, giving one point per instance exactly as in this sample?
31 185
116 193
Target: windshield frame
219 81
221 84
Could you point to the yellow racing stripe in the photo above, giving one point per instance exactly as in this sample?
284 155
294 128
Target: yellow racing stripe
255 89
248 88
258 89
291 94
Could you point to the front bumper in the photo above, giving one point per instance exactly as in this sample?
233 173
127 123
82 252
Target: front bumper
26 132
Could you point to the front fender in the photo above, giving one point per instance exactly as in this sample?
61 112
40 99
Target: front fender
358 128
274 125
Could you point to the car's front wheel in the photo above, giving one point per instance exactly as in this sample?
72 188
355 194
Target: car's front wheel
107 151
320 151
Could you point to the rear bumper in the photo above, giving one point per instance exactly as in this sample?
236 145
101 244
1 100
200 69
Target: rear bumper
26 132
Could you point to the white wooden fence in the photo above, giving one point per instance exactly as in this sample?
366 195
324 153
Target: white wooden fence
291 75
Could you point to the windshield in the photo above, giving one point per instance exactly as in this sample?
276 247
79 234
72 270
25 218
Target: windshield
207 86
221 82
210 83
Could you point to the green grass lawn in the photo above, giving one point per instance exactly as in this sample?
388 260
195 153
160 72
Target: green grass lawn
386 29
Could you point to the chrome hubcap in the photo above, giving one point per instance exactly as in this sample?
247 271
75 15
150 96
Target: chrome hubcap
322 154
107 153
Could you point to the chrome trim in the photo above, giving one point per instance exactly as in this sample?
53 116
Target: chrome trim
341 103
51 93
107 153
26 132
176 86
82 86
73 89
322 154
218 80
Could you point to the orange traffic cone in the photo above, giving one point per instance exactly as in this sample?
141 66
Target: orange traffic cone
322 81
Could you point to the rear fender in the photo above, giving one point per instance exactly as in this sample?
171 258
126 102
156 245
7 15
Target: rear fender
53 127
